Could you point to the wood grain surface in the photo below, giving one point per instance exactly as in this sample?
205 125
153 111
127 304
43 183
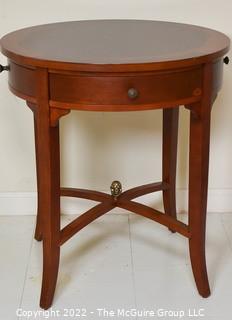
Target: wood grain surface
91 45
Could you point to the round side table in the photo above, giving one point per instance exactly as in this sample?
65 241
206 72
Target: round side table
118 65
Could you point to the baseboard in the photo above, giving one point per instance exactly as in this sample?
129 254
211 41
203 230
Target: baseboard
25 203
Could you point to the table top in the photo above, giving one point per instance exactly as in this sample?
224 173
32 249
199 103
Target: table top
118 44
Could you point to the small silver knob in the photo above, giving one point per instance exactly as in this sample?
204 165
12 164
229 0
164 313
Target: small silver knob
132 93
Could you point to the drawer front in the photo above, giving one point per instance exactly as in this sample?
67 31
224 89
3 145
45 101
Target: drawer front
127 89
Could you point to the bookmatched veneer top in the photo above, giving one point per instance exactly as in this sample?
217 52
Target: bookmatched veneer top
114 45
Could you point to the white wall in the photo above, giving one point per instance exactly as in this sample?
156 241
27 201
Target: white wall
100 147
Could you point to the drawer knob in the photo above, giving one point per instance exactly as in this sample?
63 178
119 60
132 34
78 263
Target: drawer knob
226 60
4 68
132 93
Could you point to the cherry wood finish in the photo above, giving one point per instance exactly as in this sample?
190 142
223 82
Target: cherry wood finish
38 230
118 65
72 90
152 89
170 138
114 45
198 182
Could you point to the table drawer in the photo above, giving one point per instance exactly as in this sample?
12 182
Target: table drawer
141 89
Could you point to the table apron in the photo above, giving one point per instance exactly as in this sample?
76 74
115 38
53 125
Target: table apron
109 92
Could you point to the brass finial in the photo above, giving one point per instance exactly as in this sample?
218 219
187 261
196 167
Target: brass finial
116 189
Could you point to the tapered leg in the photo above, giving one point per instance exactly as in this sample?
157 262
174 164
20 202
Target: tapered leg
38 228
51 224
170 137
49 180
198 185
198 180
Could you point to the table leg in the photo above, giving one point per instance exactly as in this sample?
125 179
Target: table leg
198 185
49 182
38 228
49 170
170 138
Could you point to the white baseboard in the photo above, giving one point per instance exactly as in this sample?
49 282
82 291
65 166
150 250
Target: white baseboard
25 203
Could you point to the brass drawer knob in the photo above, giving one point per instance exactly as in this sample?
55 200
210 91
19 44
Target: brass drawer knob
132 93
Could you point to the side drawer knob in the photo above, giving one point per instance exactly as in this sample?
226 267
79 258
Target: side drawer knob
226 60
132 93
4 68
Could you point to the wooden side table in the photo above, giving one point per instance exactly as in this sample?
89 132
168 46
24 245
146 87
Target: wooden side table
118 65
